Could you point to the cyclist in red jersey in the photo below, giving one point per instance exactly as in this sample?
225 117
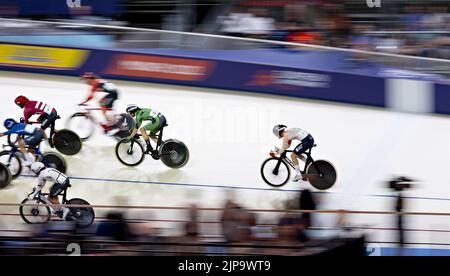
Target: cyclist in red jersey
47 114
106 103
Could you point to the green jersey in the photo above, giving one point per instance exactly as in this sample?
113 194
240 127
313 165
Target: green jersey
148 114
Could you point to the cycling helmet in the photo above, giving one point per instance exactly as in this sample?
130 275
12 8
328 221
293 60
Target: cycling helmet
9 123
132 108
37 167
89 76
278 129
21 101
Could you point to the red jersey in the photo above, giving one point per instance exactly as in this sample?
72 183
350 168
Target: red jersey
101 85
35 107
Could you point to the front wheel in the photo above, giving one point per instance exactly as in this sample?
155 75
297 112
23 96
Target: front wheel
321 174
5 176
36 212
275 172
84 216
174 153
67 142
12 161
54 160
130 153
82 125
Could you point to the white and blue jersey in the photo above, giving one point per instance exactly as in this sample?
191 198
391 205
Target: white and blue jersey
22 129
33 135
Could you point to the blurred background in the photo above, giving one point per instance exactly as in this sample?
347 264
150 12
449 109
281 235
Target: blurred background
381 75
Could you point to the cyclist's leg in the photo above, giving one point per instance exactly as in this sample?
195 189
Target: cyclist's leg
301 148
106 105
162 124
55 191
149 128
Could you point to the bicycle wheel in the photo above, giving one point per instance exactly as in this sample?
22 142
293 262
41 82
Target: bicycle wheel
125 123
81 125
321 174
130 153
5 176
67 142
274 172
36 213
174 153
84 216
54 160
12 162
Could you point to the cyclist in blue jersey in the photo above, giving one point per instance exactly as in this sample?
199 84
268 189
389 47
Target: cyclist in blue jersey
32 137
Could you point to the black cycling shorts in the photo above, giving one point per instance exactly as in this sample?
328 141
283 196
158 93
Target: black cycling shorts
108 100
306 144
57 188
34 139
47 120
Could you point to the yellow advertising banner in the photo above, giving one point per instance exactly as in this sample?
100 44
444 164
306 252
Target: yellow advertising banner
41 57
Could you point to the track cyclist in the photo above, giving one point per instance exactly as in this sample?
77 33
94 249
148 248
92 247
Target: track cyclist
289 134
32 138
156 122
107 102
61 182
47 114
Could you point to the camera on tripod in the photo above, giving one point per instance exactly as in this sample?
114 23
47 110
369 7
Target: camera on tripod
400 183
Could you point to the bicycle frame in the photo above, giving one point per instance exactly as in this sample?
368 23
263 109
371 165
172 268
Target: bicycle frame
158 136
43 197
288 161
15 149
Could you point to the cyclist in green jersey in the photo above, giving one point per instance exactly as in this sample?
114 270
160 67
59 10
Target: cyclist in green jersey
156 122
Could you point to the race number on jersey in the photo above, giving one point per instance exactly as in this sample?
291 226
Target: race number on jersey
44 107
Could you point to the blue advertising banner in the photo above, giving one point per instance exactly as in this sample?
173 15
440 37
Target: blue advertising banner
60 7
228 75
442 98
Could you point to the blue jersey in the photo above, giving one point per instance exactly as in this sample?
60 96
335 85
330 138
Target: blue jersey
22 129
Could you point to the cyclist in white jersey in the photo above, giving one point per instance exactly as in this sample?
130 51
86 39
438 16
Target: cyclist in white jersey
60 180
289 134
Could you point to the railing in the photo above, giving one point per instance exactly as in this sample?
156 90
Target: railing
143 38
211 228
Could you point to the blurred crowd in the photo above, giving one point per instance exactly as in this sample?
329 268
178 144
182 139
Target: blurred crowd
241 232
418 28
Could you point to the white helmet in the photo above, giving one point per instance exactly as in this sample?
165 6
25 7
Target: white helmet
132 108
278 129
37 167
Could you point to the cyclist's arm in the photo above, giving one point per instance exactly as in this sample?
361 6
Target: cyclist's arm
41 181
285 144
91 93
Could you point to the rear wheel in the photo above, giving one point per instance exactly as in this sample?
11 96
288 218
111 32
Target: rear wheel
84 216
125 123
174 153
12 162
67 142
82 125
130 153
54 160
5 176
36 213
275 172
321 174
